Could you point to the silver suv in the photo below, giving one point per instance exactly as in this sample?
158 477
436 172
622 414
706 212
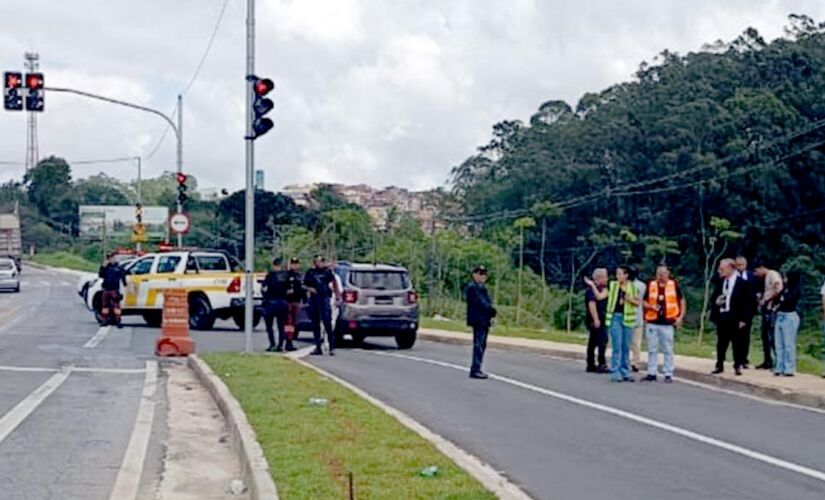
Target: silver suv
377 300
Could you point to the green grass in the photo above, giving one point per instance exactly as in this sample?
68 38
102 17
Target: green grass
808 343
66 260
311 449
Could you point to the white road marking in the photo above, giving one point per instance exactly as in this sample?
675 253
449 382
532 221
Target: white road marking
695 436
97 338
77 369
745 395
128 477
24 408
27 369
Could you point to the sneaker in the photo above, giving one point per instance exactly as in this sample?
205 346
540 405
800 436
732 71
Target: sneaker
278 349
789 374
270 348
291 348
629 379
479 375
668 380
649 378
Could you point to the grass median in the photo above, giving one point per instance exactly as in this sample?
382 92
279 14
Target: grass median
312 449
65 260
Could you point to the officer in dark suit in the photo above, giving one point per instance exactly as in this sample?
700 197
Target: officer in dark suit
274 288
480 314
320 283
731 306
752 283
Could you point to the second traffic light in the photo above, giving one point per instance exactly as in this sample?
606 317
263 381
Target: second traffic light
261 106
182 197
35 93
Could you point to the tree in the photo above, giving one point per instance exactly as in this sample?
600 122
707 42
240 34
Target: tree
101 190
521 224
50 189
715 242
544 210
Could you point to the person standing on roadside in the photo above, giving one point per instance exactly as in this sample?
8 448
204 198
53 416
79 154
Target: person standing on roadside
622 302
320 283
480 315
639 329
274 289
113 276
753 293
595 300
771 289
665 309
730 308
787 324
294 297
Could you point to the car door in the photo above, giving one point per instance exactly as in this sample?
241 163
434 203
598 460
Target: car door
137 282
168 270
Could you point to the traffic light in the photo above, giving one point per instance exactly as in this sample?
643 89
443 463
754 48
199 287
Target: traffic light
182 197
35 95
261 106
12 98
139 213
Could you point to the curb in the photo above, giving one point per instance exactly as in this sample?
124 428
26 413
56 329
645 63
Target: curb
254 464
744 386
482 472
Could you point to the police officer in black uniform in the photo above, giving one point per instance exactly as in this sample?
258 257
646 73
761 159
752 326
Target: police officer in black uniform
113 275
320 283
294 297
274 290
480 314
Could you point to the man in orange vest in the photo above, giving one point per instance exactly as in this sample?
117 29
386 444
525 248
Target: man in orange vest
665 308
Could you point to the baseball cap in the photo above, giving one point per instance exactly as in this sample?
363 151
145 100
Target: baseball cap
479 269
294 260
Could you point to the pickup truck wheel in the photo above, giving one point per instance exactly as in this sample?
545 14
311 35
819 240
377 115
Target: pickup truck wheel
238 318
201 315
358 339
405 340
153 319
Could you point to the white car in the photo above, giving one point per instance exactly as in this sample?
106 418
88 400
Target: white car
213 280
9 275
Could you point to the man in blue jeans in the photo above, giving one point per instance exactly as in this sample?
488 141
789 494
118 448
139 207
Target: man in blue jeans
665 308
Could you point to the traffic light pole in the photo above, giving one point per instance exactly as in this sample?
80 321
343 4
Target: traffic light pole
249 220
139 197
177 129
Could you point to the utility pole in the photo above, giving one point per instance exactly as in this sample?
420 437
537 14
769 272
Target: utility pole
249 222
139 200
32 151
180 156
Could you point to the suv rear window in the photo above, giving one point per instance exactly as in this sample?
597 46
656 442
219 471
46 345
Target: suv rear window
380 280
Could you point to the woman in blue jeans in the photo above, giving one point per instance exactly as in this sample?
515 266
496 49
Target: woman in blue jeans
787 325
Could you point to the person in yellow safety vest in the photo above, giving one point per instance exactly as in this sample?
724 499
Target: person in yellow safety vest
665 309
622 302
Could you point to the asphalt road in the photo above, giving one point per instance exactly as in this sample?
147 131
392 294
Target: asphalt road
551 428
561 433
68 412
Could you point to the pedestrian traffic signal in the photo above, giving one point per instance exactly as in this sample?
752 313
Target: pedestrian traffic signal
35 95
12 98
261 106
182 197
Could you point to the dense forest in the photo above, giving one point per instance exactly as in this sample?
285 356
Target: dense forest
712 153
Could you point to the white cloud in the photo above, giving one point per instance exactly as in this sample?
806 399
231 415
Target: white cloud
385 92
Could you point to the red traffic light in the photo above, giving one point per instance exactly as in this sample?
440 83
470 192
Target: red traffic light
263 86
14 80
34 81
181 178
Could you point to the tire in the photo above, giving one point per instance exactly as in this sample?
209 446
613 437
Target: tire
238 318
153 319
97 305
201 315
358 339
17 290
405 340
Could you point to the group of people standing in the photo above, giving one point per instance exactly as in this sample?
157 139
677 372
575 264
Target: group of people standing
284 293
740 296
626 309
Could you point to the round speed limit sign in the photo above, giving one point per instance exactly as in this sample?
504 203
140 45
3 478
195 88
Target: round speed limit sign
179 223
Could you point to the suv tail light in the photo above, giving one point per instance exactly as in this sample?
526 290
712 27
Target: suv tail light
412 297
234 285
350 297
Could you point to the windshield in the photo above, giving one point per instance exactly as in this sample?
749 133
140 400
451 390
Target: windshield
380 280
6 265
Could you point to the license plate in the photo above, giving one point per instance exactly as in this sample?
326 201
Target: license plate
383 301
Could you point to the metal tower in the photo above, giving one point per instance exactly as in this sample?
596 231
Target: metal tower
32 152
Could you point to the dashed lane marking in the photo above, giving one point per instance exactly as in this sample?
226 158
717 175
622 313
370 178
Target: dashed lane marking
73 369
97 338
128 477
24 408
695 436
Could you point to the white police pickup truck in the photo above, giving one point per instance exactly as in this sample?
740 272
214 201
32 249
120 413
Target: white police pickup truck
213 279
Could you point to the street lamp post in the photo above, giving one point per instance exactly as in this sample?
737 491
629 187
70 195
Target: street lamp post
249 222
177 129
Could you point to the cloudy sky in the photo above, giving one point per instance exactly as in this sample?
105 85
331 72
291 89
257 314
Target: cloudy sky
375 91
